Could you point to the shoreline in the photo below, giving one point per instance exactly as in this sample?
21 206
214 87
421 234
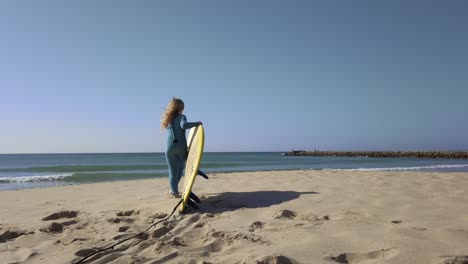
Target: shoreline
429 169
296 215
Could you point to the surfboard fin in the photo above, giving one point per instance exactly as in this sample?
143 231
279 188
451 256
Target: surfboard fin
194 197
201 173
192 204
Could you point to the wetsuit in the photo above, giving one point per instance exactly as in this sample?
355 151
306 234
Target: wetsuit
176 150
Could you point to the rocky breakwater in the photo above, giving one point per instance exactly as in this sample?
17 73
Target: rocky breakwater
385 154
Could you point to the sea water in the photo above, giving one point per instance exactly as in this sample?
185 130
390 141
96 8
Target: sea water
19 171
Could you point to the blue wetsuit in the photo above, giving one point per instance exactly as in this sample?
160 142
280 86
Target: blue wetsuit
176 149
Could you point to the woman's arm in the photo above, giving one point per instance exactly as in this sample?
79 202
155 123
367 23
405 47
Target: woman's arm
186 125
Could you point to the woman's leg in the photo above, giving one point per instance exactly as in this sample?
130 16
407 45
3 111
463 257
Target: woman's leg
181 168
173 170
181 158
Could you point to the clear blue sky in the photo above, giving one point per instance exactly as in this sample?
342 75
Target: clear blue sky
95 76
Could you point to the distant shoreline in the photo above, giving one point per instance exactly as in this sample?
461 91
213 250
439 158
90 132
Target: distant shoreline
384 154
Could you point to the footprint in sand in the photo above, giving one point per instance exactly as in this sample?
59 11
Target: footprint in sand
275 260
160 215
230 237
161 231
256 225
204 241
313 218
356 258
57 227
121 220
123 228
127 213
81 225
289 215
12 234
156 217
52 228
417 228
70 240
462 259
285 214
62 214
69 223
143 236
177 242
209 215
199 225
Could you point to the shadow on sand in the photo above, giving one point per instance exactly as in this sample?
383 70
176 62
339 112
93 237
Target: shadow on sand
230 201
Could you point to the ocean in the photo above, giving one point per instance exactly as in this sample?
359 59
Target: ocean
18 171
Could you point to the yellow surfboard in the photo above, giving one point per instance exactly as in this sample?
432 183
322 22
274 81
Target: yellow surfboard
195 144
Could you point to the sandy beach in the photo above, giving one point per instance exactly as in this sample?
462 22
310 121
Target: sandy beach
306 216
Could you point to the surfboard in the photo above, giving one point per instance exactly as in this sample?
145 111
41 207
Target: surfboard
195 144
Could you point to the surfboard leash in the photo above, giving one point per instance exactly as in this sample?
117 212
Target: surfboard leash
123 240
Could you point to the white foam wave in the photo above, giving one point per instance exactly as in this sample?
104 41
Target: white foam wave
441 166
34 178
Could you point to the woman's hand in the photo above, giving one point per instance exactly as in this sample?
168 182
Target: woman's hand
200 123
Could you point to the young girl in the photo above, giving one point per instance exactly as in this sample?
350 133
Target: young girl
176 150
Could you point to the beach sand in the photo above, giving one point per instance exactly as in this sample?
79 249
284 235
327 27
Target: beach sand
252 217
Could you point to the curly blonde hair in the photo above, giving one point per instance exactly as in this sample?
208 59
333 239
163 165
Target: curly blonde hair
175 106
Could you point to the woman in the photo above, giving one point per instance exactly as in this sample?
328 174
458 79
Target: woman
176 150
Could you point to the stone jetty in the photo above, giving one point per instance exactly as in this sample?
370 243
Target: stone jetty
385 154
